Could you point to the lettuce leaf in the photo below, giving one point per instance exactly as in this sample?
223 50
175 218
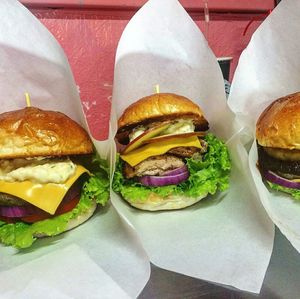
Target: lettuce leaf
207 175
97 187
22 235
295 193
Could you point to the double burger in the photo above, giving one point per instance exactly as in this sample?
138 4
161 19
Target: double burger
167 158
48 183
278 144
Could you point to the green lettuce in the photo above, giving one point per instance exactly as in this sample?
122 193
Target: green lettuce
96 188
207 175
295 193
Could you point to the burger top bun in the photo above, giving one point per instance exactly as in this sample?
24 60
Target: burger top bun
160 107
279 124
32 132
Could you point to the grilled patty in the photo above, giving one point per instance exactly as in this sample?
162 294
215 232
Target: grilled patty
183 151
10 200
156 165
267 162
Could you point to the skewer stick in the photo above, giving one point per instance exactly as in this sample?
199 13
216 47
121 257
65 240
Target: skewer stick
157 88
27 97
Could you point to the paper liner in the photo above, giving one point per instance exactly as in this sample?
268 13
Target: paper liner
48 278
226 238
268 69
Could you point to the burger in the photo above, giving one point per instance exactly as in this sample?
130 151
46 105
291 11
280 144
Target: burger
167 159
48 181
278 144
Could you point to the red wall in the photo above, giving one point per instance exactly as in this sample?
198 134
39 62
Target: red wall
89 35
214 5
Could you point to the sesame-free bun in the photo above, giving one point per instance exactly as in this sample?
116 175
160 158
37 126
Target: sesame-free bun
279 124
160 107
155 202
32 132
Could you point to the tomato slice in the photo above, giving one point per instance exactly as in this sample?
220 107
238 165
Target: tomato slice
35 218
63 208
68 206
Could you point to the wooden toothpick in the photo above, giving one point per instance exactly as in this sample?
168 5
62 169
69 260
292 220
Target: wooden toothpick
157 88
27 97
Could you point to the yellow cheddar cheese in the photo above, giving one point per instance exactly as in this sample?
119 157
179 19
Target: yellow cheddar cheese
44 196
159 148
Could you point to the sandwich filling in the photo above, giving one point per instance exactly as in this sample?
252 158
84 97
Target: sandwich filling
39 170
163 148
175 127
208 170
280 168
282 162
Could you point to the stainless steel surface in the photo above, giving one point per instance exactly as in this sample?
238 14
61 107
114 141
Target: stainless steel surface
282 280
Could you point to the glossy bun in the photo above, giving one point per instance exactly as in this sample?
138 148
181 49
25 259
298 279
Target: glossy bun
32 132
279 124
160 107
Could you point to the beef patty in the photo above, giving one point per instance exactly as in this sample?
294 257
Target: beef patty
283 167
156 165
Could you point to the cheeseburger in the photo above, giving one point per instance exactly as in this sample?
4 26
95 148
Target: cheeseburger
47 183
278 144
167 159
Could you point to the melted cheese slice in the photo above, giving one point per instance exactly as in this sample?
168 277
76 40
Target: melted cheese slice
44 196
159 148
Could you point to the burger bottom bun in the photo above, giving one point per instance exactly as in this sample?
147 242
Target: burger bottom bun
157 203
76 221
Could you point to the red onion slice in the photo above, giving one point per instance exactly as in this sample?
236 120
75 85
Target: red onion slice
176 171
157 181
276 179
16 211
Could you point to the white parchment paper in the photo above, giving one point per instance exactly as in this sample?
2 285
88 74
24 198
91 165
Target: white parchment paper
48 277
228 238
102 252
104 241
268 69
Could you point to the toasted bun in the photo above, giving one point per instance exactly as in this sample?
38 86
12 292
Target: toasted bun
160 107
32 132
77 221
279 124
157 203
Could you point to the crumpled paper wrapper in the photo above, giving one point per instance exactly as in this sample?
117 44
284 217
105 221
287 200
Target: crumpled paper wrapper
268 69
227 238
91 260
